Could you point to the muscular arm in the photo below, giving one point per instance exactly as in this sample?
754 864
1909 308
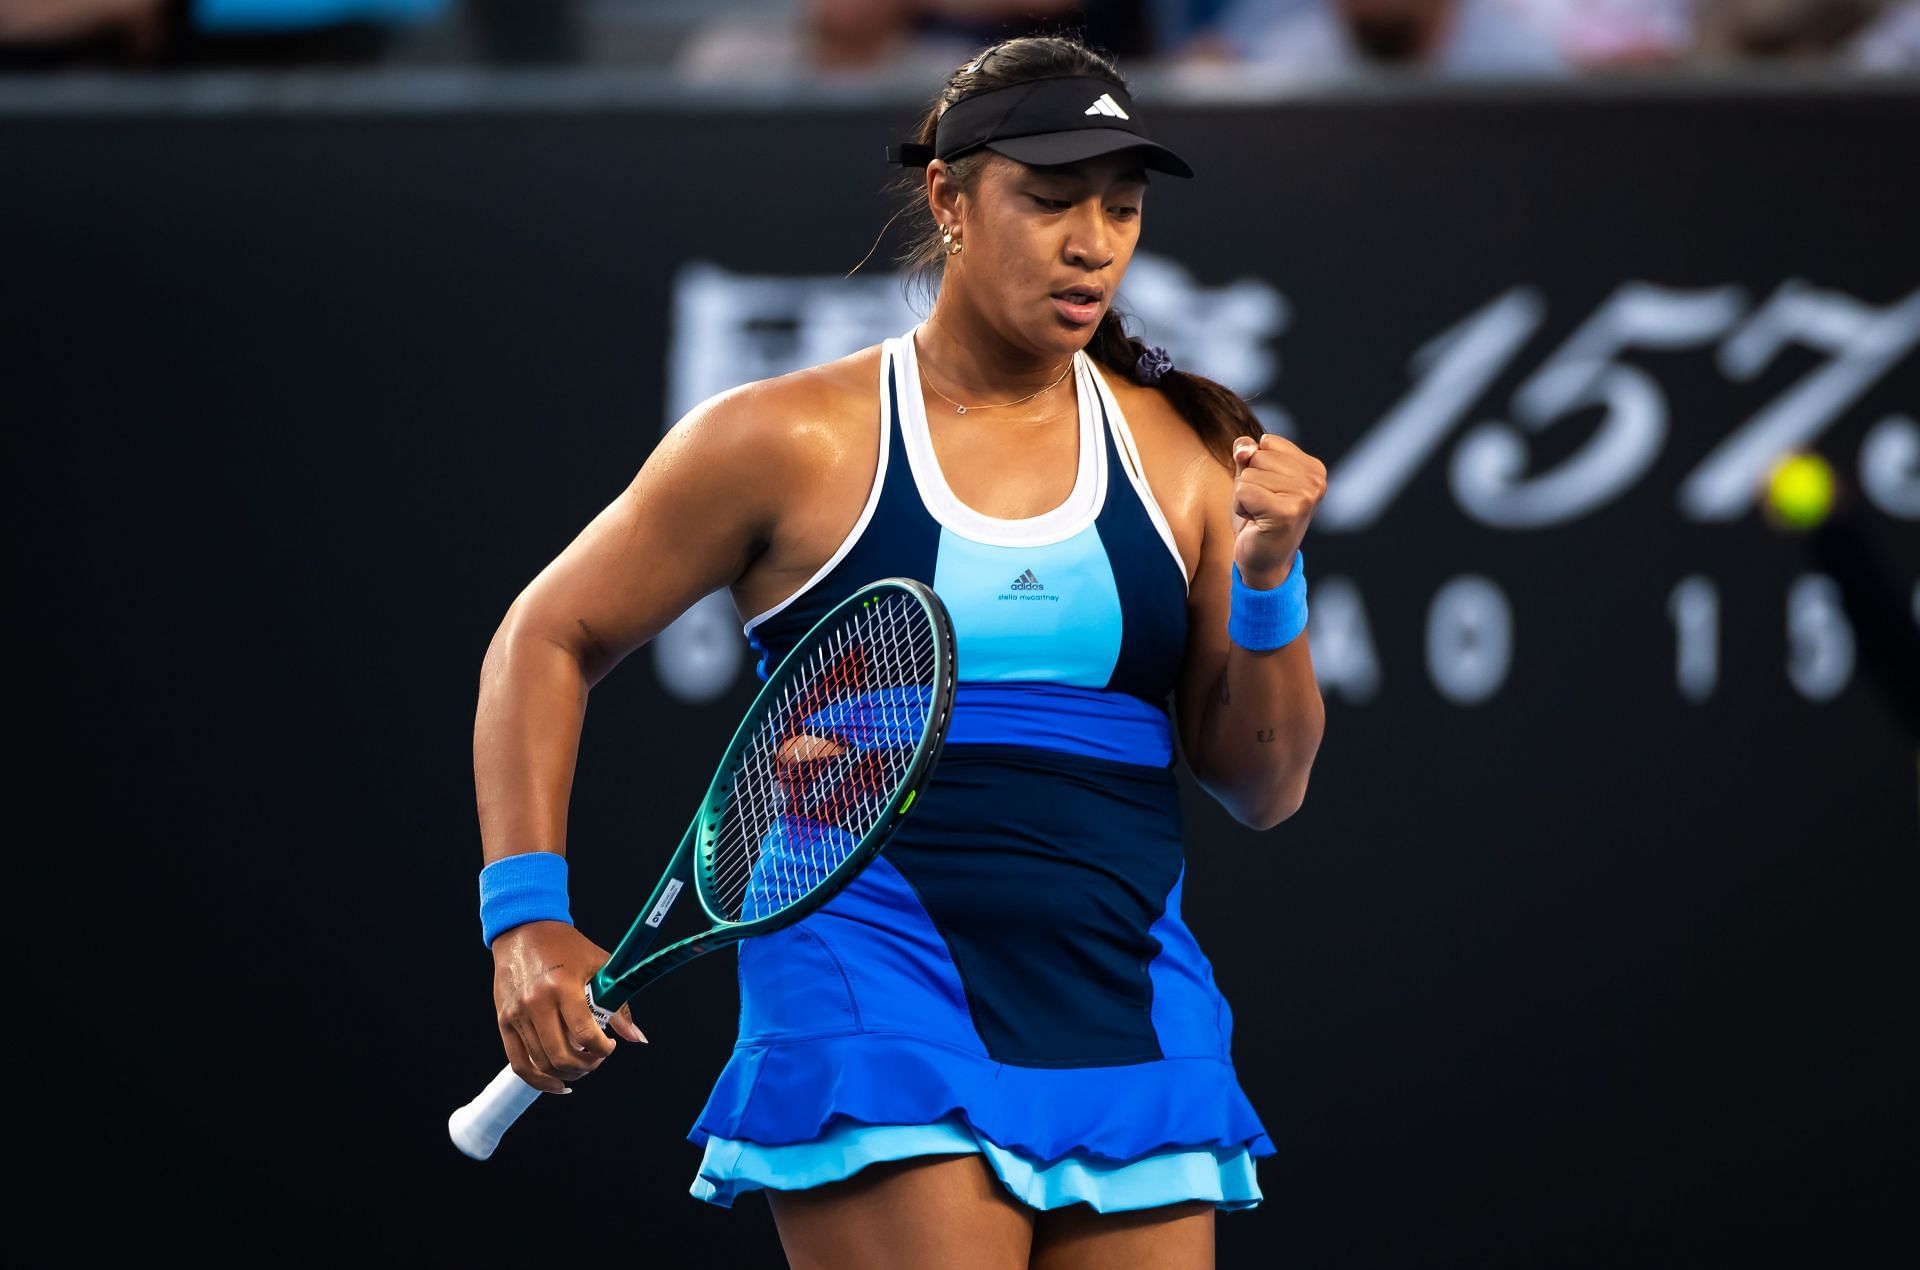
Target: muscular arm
689 524
1250 722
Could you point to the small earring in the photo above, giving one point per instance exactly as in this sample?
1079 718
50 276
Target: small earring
946 238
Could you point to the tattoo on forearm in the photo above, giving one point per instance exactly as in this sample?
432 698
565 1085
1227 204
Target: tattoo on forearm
599 649
1263 735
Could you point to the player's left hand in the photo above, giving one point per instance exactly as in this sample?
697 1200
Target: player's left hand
1276 486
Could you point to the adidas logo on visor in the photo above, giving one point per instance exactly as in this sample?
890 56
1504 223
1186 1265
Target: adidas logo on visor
1107 106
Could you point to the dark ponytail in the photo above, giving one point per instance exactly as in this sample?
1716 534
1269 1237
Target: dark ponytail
1213 410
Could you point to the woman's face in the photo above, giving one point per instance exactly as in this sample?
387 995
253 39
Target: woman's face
1044 249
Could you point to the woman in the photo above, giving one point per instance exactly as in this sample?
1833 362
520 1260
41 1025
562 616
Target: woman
1000 1047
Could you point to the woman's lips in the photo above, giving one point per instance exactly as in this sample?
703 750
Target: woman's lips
1079 314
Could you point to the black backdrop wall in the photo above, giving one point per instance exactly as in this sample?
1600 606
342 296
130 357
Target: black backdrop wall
1592 944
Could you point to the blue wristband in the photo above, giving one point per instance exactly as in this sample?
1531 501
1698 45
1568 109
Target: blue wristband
1273 618
518 889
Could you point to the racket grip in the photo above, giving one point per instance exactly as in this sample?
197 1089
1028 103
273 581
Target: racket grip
476 1128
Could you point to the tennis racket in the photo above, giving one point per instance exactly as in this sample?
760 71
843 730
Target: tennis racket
832 753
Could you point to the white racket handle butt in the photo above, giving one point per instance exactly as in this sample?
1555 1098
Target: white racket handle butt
476 1128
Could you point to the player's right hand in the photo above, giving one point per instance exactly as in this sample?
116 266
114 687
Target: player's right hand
540 973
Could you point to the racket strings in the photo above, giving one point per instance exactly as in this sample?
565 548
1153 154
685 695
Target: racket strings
825 763
832 790
830 785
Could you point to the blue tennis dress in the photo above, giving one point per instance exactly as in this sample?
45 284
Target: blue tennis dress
1011 976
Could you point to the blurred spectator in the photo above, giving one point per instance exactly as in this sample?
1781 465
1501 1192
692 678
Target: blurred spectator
912 38
1730 30
48 32
200 32
1613 34
1172 23
1890 43
1330 39
254 17
1874 34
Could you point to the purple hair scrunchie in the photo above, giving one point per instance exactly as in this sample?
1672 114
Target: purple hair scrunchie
1152 365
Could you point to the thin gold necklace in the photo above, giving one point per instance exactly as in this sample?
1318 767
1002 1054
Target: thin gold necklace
960 409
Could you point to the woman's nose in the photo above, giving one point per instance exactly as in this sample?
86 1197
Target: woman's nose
1089 240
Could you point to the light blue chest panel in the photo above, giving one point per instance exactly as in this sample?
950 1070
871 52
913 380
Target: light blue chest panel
1048 614
1070 625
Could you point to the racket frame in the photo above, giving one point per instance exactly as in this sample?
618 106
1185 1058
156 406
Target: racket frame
627 971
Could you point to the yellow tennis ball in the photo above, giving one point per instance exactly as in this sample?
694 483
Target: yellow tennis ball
1801 490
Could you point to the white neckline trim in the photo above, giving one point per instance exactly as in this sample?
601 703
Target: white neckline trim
1082 505
1137 473
866 512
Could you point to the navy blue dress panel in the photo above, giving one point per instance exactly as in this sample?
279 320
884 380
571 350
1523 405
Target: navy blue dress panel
1152 586
858 1014
1055 904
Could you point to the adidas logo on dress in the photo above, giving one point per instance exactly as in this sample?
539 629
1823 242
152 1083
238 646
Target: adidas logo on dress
1107 106
1026 582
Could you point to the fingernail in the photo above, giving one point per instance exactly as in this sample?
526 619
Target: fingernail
566 1089
643 1037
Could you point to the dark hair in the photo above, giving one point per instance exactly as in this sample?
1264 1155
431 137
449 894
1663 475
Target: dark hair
1213 410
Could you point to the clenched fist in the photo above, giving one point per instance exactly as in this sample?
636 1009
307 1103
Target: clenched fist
1276 486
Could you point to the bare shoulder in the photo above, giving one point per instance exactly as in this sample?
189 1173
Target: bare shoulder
780 436
714 505
1188 481
792 413
801 450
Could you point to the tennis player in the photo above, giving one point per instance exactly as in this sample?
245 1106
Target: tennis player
1000 1046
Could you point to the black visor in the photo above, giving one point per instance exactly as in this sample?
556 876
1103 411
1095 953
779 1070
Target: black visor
1044 122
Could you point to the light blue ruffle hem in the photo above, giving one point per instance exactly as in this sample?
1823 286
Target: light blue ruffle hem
731 1168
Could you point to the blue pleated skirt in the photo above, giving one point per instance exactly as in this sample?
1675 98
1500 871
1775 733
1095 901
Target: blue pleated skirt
1013 978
